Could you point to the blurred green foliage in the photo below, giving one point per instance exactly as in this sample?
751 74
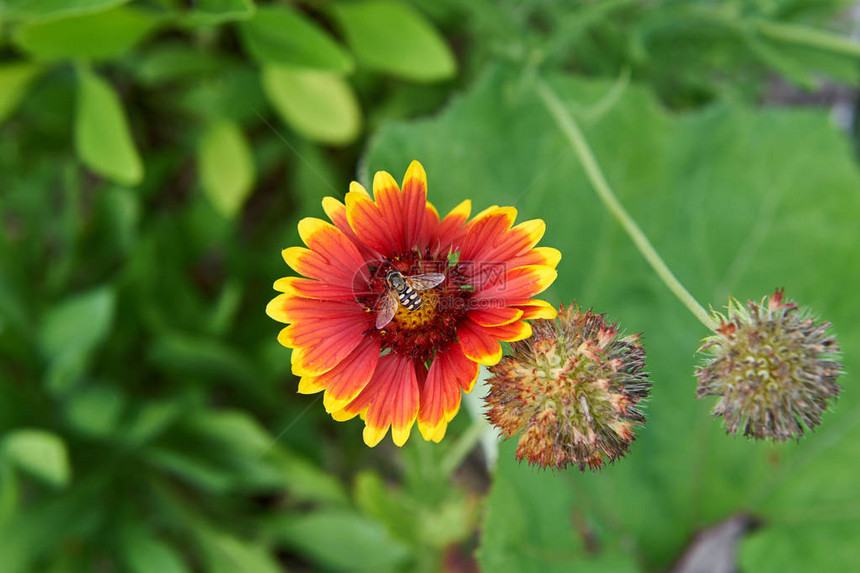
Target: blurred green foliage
156 155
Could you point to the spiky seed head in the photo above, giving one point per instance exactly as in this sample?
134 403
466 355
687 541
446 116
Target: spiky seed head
774 367
573 389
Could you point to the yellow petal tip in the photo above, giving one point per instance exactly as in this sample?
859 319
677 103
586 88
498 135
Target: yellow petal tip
275 308
415 172
383 180
356 187
373 436
332 404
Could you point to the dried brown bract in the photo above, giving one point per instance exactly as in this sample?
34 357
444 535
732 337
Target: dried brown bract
773 366
573 389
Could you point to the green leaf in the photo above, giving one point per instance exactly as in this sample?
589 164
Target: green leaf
51 9
40 453
721 193
102 137
319 105
386 505
97 36
145 554
233 430
225 309
151 420
240 437
393 38
10 492
530 524
65 370
234 93
340 540
200 356
781 548
278 35
228 554
34 535
214 12
96 411
226 166
199 473
174 62
79 323
15 79
121 208
809 504
305 480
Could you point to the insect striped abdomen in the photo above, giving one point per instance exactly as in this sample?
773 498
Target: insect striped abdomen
409 298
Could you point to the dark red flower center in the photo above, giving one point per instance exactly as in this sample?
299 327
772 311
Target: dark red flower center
433 326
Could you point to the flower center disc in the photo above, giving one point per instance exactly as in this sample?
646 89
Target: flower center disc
432 327
412 319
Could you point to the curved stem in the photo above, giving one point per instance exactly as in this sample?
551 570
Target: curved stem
571 130
810 37
462 448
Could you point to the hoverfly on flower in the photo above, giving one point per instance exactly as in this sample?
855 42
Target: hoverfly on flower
403 289
361 332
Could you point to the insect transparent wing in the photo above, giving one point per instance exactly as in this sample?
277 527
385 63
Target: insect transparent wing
385 309
426 281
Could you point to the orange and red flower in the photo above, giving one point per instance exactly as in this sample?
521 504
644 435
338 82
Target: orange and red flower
415 366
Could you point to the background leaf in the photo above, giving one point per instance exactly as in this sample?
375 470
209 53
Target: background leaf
78 324
102 136
228 554
51 9
318 105
213 12
278 35
96 411
144 554
393 38
226 166
538 521
341 541
40 453
15 79
98 35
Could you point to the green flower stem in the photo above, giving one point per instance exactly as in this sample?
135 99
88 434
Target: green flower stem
461 448
571 130
809 37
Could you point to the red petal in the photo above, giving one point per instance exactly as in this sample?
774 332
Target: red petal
518 283
431 227
369 225
311 288
336 211
477 345
389 399
345 263
440 397
450 231
509 332
517 241
322 343
389 202
296 309
535 308
344 382
413 206
486 230
546 256
492 315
